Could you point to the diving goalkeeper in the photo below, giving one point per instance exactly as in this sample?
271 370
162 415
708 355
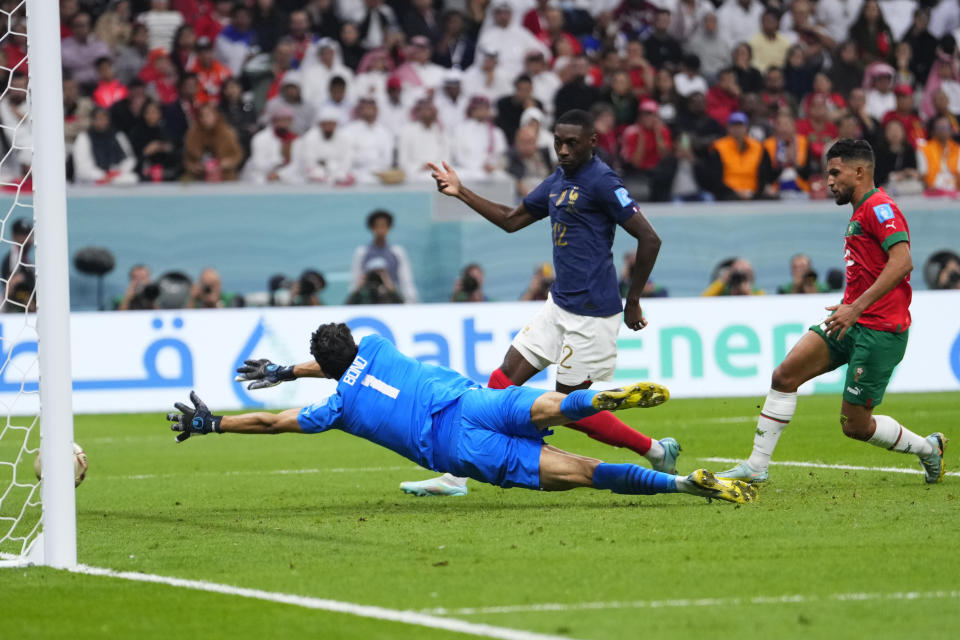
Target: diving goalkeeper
445 422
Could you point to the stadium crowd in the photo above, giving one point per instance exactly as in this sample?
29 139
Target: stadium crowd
692 99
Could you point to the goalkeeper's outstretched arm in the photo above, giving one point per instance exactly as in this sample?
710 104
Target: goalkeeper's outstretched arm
262 422
263 373
199 421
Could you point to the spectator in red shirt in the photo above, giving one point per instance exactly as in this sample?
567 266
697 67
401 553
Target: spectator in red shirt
210 23
160 76
211 73
535 20
723 98
819 130
822 84
553 32
774 94
109 90
641 71
648 161
906 115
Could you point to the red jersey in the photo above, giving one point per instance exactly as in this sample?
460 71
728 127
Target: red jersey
635 135
877 224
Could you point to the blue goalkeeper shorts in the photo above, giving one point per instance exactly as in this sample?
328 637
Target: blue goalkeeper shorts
488 435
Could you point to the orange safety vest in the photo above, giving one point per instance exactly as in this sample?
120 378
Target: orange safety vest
933 151
740 169
770 144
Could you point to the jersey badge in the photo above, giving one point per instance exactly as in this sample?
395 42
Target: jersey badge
622 196
883 212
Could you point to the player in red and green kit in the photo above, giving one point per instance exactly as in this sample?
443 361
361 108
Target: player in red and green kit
868 331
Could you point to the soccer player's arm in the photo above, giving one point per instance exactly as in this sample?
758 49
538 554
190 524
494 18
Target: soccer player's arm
262 422
262 373
508 218
624 209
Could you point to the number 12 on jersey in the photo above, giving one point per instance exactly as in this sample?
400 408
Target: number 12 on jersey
559 231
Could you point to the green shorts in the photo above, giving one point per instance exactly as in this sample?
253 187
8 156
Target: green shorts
871 355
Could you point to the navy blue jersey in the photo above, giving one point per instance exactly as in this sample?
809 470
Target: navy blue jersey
585 210
388 398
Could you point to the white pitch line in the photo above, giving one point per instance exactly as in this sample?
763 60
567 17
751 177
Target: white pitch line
695 602
337 606
838 467
283 472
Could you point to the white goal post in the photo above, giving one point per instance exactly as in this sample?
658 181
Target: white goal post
52 541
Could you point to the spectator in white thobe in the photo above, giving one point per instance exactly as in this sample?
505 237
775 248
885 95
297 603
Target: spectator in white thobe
479 147
421 141
486 78
316 78
271 150
545 82
369 143
739 20
322 155
450 101
511 41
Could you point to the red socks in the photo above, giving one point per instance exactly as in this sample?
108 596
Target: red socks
604 427
609 429
499 380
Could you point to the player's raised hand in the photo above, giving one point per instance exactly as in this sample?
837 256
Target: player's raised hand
196 421
633 316
263 374
448 182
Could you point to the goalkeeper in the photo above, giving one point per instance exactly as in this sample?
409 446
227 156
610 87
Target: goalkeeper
446 422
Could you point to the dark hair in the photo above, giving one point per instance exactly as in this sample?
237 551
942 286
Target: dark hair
102 60
523 77
691 61
332 346
379 213
337 81
850 149
577 117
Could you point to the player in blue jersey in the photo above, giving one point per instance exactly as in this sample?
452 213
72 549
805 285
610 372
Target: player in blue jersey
443 421
577 327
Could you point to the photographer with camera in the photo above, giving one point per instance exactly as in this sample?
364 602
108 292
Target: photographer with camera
207 292
377 286
733 277
469 286
140 294
306 290
804 278
540 283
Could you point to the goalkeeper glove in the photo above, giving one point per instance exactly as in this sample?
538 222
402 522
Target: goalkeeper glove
196 421
263 373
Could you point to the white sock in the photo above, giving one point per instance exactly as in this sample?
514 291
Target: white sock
776 413
893 436
453 481
655 453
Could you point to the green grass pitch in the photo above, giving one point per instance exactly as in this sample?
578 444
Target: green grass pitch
321 516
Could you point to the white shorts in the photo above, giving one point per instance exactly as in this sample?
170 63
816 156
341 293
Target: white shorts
583 347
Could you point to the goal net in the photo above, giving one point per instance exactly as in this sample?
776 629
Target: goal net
31 134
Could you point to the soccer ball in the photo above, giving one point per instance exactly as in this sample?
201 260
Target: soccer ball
79 465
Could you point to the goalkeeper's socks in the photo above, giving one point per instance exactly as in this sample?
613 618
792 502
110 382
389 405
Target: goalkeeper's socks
609 429
778 410
893 436
632 479
579 404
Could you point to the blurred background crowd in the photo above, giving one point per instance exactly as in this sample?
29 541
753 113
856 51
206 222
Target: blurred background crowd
692 99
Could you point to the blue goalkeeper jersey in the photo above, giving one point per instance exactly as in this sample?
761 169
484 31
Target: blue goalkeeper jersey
388 398
584 210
